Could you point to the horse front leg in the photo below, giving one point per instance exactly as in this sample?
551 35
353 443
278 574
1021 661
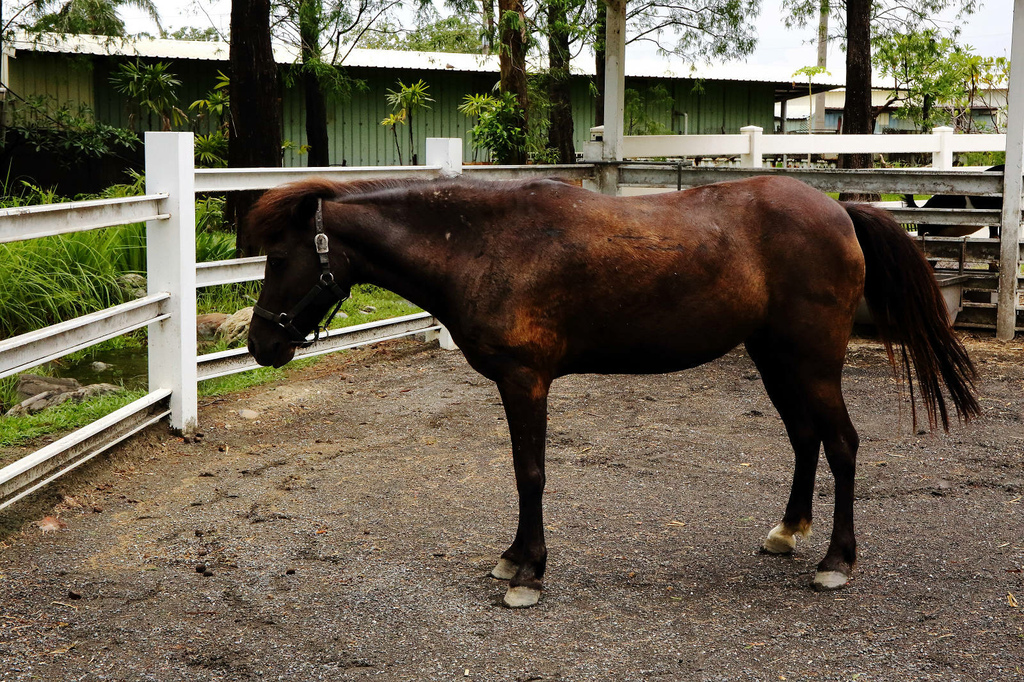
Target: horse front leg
525 397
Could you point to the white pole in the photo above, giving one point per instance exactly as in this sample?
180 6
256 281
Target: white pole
614 92
943 159
446 153
754 158
1013 179
171 267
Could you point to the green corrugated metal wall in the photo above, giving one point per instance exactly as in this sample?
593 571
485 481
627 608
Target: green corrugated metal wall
63 78
357 138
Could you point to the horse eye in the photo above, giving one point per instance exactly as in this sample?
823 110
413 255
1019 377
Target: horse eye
275 262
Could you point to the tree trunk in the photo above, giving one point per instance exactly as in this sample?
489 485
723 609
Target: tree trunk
488 15
255 139
560 128
316 108
512 56
818 124
601 31
857 119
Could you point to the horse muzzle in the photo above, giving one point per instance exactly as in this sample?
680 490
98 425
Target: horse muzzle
271 354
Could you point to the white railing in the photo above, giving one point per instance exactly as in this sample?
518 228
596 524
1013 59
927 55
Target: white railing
752 145
169 308
173 276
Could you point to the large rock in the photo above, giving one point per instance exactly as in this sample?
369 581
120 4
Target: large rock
208 324
33 384
236 326
58 391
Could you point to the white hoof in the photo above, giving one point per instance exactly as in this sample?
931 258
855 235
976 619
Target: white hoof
830 580
521 597
504 570
780 540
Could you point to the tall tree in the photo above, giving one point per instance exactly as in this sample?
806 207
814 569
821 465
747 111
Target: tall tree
857 119
94 17
562 20
695 31
310 12
600 33
326 32
861 22
512 35
255 110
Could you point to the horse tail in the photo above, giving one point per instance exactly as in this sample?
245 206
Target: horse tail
909 311
910 201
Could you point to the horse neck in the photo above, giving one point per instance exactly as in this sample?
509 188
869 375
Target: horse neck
398 243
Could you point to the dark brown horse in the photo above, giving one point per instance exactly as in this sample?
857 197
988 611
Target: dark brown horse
539 279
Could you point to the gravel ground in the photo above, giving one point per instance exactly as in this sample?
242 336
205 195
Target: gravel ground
348 522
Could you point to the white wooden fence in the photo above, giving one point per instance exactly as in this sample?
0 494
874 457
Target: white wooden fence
173 276
752 145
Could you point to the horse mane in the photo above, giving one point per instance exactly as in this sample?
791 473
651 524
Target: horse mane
279 207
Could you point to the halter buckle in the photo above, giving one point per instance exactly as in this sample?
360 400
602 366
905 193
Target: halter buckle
321 242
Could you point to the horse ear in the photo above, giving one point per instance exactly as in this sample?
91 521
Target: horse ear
305 208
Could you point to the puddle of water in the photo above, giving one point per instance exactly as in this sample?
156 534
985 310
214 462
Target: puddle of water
128 367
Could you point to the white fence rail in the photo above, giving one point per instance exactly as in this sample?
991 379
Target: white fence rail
173 275
752 145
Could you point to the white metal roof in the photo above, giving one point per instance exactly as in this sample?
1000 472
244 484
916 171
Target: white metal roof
160 48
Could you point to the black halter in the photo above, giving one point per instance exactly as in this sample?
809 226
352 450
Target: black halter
287 320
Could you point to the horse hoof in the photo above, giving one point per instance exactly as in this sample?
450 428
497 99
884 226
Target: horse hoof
779 541
504 570
830 580
521 597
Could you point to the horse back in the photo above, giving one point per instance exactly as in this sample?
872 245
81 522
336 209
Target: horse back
668 281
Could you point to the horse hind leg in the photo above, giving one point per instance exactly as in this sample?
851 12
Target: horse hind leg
841 442
806 388
792 405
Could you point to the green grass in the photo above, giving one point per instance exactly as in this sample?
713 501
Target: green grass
65 417
58 278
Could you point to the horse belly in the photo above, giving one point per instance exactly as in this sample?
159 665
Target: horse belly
673 340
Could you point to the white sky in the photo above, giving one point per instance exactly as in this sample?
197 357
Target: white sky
987 31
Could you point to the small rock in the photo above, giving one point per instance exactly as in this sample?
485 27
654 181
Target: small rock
290 571
74 595
366 310
51 523
97 509
100 366
133 284
248 414
207 573
200 568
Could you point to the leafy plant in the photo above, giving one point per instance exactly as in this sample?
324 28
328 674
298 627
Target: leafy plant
211 150
393 121
216 104
498 128
153 88
406 100
69 130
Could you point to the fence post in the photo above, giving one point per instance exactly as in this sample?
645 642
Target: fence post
943 159
1010 232
171 267
445 152
753 158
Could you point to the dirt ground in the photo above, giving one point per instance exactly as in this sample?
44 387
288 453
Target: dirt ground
348 528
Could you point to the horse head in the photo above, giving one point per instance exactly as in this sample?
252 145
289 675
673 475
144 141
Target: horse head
306 273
